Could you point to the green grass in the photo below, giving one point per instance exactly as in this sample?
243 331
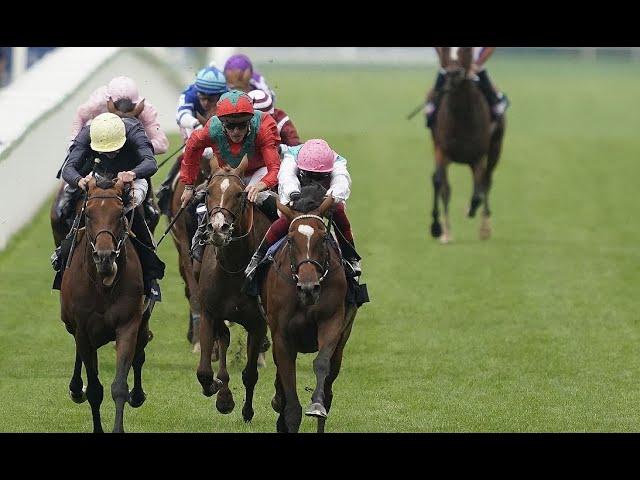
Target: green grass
535 330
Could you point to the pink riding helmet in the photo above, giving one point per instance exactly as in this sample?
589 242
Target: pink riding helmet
123 87
316 156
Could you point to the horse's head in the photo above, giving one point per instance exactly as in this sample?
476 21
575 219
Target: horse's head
105 224
308 249
226 203
125 108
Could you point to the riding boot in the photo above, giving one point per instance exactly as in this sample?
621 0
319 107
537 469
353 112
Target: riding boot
433 99
65 204
164 192
257 258
350 257
269 208
197 243
152 266
497 100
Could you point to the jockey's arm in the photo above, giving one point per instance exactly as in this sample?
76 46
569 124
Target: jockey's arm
485 53
340 187
78 153
444 55
193 150
288 181
149 118
267 143
186 113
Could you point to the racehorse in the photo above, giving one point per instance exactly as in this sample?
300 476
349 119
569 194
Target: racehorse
303 295
235 228
464 133
182 232
102 300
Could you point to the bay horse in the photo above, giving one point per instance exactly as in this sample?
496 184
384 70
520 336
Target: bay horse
182 232
303 296
464 133
235 228
102 300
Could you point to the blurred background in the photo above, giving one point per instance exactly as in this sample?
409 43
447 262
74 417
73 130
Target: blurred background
534 330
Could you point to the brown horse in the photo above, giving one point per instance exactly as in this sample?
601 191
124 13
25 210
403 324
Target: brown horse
464 133
303 294
102 300
235 228
182 232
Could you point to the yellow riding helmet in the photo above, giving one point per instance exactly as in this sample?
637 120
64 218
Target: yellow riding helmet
107 133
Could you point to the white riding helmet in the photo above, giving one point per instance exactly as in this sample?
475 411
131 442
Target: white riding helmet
107 133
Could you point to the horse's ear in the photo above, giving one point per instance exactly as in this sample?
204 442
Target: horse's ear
464 57
239 170
286 211
326 205
138 110
111 106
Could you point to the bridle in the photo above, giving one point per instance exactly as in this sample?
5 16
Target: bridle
119 241
234 215
322 267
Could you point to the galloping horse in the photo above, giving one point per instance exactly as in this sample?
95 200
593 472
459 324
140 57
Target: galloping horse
235 227
102 300
303 294
182 232
464 133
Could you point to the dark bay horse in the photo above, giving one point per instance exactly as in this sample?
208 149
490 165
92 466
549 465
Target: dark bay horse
102 300
464 133
235 228
303 295
182 232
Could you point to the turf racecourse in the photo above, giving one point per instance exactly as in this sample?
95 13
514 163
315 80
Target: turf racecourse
535 330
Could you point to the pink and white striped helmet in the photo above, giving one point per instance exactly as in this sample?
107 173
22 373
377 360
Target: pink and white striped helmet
123 87
262 101
316 156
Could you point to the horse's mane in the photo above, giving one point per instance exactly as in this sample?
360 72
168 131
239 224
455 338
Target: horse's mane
311 197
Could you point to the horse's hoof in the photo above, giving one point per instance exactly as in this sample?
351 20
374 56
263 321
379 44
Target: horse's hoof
316 410
213 388
247 414
136 400
445 239
276 404
225 406
79 398
436 230
195 348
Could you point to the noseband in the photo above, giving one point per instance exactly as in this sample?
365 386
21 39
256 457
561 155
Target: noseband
295 267
118 241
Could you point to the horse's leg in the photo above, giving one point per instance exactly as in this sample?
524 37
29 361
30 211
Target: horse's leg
204 373
478 168
495 148
436 179
329 333
137 395
76 390
125 350
250 372
285 359
224 400
445 193
95 392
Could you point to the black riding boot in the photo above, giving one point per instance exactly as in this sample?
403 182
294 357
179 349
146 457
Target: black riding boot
431 106
164 192
497 100
269 208
152 266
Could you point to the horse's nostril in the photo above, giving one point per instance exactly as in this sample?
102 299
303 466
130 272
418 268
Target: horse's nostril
224 227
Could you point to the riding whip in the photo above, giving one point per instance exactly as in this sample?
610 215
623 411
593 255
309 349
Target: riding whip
197 195
415 112
170 156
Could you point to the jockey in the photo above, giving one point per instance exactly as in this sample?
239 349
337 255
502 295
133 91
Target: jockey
235 131
240 75
287 130
313 161
114 146
498 102
196 104
121 97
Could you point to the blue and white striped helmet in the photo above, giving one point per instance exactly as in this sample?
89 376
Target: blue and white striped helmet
211 81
